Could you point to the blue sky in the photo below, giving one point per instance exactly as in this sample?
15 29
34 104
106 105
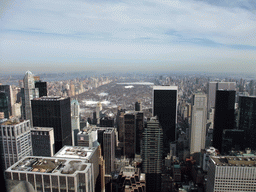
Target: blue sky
109 35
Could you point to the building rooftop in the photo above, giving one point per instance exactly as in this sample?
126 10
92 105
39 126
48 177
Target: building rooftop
50 98
41 129
13 121
76 152
165 87
234 161
48 165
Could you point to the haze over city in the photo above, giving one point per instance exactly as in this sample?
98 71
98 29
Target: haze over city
115 35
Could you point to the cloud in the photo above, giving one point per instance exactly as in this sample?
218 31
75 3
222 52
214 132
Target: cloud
151 30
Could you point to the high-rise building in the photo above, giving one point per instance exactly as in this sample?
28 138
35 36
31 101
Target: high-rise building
129 134
165 108
4 107
231 173
233 139
54 111
247 119
42 88
15 139
42 141
109 149
30 92
53 173
224 117
89 154
106 122
213 87
139 130
138 106
98 112
152 154
198 123
75 120
7 89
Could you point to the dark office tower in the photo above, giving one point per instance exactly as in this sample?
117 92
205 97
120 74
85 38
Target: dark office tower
233 139
152 151
7 89
54 111
109 150
224 117
139 131
106 122
42 141
4 104
165 108
247 119
129 135
138 106
42 87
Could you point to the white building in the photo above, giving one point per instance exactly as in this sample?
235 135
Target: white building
16 142
88 154
231 173
198 123
30 92
75 120
53 173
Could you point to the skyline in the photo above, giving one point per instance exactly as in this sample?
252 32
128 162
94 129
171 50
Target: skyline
182 35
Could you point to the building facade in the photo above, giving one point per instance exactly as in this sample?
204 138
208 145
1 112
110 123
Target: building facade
15 138
229 173
152 151
54 111
198 123
75 120
247 119
224 117
42 141
109 150
165 108
53 174
30 92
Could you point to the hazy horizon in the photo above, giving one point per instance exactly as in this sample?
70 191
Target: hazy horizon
122 36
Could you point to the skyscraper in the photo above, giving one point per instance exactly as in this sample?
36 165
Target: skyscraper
4 107
138 106
213 87
152 151
129 134
224 117
42 88
75 120
54 111
16 140
165 108
198 123
30 92
7 89
42 141
109 149
247 119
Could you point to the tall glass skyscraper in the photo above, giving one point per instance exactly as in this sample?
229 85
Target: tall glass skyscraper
152 153
54 111
165 108
247 119
224 117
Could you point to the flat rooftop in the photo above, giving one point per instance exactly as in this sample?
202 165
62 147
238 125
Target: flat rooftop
165 87
234 161
50 98
41 128
49 165
12 122
76 152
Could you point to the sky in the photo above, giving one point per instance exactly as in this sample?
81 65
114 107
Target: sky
127 36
